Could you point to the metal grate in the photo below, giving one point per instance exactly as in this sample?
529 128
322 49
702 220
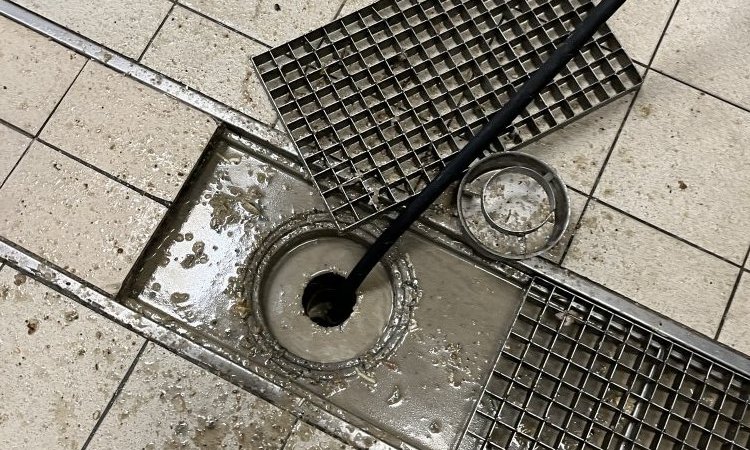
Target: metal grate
574 375
377 101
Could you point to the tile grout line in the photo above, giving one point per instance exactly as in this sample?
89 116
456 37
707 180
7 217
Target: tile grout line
137 190
179 91
37 257
44 124
158 30
619 132
116 394
36 138
338 11
285 441
663 231
735 288
699 89
222 24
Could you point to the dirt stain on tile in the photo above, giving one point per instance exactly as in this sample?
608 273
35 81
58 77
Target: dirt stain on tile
31 326
644 111
19 279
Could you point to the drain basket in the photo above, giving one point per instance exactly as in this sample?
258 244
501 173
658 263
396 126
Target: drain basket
576 375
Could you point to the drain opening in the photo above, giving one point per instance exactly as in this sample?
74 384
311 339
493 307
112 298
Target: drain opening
326 301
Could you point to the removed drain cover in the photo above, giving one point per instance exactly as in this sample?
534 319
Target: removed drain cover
512 206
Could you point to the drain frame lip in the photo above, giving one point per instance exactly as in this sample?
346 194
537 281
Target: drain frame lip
283 238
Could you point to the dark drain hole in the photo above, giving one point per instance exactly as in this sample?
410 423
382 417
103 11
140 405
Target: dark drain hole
326 301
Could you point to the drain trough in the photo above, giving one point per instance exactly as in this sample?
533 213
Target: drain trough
574 374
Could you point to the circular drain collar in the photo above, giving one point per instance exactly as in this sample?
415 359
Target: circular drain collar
303 248
512 206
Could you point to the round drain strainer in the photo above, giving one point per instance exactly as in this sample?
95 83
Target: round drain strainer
512 206
292 315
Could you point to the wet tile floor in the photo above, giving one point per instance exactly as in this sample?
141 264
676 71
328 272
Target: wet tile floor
90 159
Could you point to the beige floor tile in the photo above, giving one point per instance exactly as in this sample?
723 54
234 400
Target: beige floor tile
12 146
129 130
60 365
305 437
683 164
271 22
122 25
658 271
34 74
354 5
170 403
577 202
76 217
578 150
736 332
639 24
213 60
707 46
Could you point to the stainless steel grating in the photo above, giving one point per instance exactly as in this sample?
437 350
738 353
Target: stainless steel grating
574 375
377 101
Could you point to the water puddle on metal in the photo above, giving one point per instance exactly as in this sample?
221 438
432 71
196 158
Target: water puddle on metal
200 275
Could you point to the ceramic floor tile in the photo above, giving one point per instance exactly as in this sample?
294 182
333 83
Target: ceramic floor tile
122 25
34 74
170 403
354 5
578 150
639 24
682 163
305 437
213 60
735 332
271 22
577 203
76 217
60 365
652 268
129 130
707 46
12 146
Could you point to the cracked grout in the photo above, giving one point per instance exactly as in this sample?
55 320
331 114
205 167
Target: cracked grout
116 394
616 138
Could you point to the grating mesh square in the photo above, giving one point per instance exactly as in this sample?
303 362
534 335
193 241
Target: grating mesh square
377 101
574 375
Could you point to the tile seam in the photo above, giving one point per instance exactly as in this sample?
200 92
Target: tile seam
35 137
115 395
616 138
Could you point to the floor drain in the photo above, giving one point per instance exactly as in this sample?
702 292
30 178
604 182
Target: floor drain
577 375
298 318
323 302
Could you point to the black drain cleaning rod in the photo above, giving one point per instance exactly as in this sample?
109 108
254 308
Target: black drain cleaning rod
499 123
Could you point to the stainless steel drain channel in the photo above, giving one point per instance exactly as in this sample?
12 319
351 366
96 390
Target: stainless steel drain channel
377 101
577 375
